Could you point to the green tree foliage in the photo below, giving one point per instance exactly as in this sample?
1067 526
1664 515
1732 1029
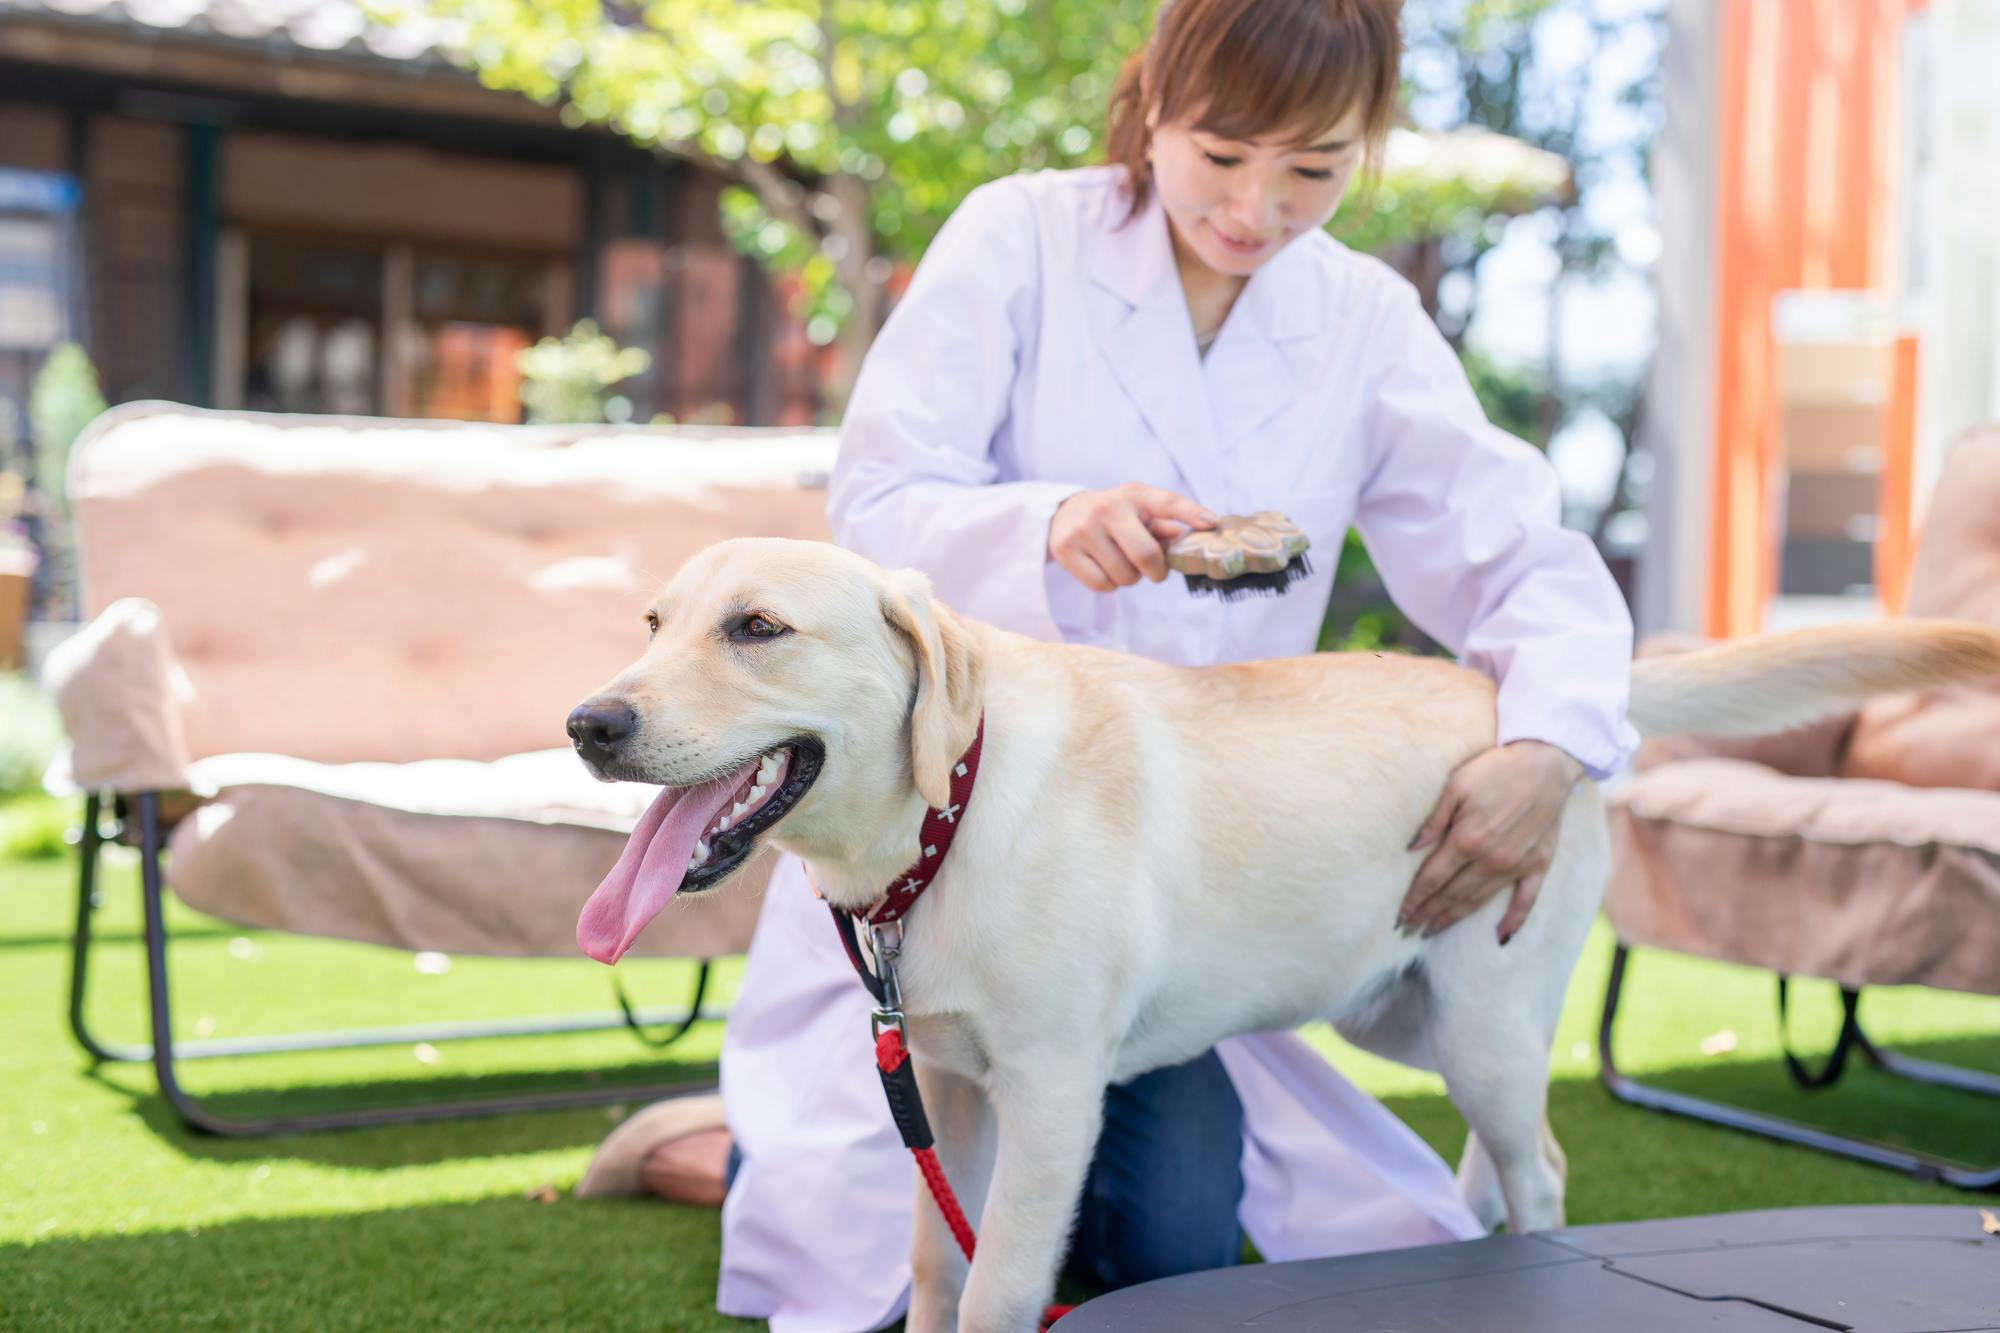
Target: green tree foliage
852 128
573 379
62 401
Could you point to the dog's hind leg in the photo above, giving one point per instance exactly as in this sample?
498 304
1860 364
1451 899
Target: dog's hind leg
1479 1184
963 1126
1491 1018
1497 1075
1395 1023
1479 1178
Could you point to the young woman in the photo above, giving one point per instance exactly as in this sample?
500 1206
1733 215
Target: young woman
1086 364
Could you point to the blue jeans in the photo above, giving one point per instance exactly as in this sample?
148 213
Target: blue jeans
1161 1196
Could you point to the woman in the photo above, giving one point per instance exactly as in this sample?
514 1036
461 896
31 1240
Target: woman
1086 364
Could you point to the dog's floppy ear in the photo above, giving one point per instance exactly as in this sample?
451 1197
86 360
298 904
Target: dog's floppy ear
946 712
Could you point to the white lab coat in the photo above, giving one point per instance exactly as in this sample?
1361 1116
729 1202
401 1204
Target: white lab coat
1042 349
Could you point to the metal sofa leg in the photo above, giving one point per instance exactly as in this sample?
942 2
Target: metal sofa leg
1626 1089
89 844
165 1054
1929 1071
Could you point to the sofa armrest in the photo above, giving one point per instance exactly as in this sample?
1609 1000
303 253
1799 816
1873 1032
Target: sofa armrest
1811 751
121 693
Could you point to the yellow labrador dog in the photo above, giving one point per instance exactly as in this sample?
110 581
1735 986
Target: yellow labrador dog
1154 858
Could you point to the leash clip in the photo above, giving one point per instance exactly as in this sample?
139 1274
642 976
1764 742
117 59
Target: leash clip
887 1018
885 941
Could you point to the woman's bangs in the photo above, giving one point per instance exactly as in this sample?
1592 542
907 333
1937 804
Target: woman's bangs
1283 73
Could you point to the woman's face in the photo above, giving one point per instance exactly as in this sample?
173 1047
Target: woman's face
1234 204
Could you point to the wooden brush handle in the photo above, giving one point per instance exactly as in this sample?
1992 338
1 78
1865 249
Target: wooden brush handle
1261 543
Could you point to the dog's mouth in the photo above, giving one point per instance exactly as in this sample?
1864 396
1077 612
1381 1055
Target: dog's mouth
691 839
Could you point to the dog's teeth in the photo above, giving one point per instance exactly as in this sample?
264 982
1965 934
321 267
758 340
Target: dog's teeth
722 824
701 850
737 811
757 792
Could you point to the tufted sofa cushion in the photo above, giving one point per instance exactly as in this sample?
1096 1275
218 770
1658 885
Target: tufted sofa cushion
347 590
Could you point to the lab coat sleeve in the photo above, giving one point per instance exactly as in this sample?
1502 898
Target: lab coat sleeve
1464 524
914 482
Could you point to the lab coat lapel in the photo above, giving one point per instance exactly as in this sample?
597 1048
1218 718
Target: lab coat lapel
1140 318
1258 363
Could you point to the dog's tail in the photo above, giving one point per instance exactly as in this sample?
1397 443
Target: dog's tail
1786 680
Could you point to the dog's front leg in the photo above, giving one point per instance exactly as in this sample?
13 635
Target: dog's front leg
963 1126
1048 1108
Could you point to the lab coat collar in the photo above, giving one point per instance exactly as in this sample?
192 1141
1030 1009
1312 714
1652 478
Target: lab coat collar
1198 409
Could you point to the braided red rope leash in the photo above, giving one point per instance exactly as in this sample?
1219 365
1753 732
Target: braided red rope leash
890 1057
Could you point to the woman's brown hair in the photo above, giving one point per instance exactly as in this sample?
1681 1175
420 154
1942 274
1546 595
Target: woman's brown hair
1252 69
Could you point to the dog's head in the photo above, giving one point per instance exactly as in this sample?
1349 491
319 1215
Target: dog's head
789 691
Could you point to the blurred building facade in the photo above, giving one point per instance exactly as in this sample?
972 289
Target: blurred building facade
1827 180
280 204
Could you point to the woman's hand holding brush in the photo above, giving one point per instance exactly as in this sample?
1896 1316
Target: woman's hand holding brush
1112 539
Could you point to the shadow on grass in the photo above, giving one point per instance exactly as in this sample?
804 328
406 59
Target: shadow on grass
506 1263
109 937
1866 1102
393 1146
1627 1163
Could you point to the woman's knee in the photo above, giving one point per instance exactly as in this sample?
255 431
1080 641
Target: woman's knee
1165 1186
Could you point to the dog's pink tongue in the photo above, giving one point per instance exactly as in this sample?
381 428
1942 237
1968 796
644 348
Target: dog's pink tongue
653 865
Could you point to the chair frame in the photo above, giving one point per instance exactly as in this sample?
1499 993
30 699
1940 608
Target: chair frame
1852 1038
164 1052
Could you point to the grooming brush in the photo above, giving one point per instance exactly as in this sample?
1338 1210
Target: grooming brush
1264 554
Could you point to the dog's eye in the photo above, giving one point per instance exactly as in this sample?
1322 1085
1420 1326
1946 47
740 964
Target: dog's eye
755 626
652 623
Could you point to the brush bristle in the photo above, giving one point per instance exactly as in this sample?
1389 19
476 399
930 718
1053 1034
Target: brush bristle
1251 585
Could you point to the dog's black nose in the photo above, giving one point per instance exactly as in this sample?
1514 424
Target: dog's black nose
597 727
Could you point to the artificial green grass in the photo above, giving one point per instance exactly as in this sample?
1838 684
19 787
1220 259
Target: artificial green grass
114 1216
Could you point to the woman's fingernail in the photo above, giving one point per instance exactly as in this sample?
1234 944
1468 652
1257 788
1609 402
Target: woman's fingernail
1504 938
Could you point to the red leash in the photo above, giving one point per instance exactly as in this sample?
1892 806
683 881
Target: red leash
885 938
892 1060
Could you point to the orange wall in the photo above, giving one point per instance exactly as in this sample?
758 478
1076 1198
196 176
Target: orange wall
1805 179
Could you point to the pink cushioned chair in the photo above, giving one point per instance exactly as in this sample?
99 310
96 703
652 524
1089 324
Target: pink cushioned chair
326 682
1864 850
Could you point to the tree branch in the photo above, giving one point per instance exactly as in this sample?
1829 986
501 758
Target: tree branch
829 40
782 196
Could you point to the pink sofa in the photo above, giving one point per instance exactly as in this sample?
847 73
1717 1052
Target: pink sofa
1864 850
331 660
